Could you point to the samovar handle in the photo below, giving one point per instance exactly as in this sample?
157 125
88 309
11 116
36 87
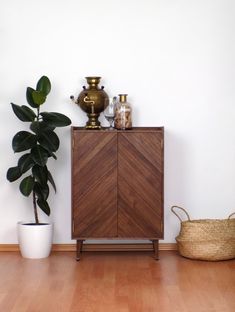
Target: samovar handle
73 99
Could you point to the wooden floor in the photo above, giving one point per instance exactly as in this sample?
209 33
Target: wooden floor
115 281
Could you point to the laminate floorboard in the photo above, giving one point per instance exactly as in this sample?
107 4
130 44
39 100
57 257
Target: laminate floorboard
115 282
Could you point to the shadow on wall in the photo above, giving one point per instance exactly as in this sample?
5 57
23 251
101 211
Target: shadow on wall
176 179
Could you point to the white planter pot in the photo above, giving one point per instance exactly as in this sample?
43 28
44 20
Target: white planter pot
35 240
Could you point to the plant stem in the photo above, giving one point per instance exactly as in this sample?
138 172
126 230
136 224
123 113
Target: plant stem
38 112
35 208
34 195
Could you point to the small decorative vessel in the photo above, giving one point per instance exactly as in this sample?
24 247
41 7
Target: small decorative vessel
92 100
123 114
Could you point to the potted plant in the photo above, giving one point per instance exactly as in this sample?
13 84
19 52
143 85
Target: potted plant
37 145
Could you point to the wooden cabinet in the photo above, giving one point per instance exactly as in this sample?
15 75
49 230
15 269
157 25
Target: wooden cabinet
117 184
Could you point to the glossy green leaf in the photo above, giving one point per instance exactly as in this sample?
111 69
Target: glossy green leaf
38 97
50 154
29 97
49 140
25 162
51 180
44 206
56 119
26 185
23 141
40 127
44 85
24 113
40 174
42 192
13 174
39 155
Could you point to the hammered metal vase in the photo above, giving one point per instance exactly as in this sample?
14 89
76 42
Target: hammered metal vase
92 100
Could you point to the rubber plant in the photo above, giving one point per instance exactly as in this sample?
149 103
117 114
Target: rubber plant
38 145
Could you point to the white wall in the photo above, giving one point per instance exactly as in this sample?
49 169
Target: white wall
175 59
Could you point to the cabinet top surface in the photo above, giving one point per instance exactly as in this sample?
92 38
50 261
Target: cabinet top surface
134 129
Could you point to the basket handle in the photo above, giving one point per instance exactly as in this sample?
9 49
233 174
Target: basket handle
173 210
231 215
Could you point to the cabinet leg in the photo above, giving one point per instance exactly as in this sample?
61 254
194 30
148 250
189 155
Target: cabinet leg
156 249
79 249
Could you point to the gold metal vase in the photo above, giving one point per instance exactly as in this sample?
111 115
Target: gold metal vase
92 100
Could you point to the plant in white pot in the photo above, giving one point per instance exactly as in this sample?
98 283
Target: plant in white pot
37 145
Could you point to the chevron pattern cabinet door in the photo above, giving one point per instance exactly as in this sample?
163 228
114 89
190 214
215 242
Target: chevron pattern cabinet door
117 184
94 184
140 184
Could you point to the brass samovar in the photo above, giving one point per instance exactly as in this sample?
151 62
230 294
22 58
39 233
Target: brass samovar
92 100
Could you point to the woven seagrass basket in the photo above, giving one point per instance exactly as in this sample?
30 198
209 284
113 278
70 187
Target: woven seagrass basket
206 239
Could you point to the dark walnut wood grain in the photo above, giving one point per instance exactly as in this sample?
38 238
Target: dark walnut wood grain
94 185
117 185
139 185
